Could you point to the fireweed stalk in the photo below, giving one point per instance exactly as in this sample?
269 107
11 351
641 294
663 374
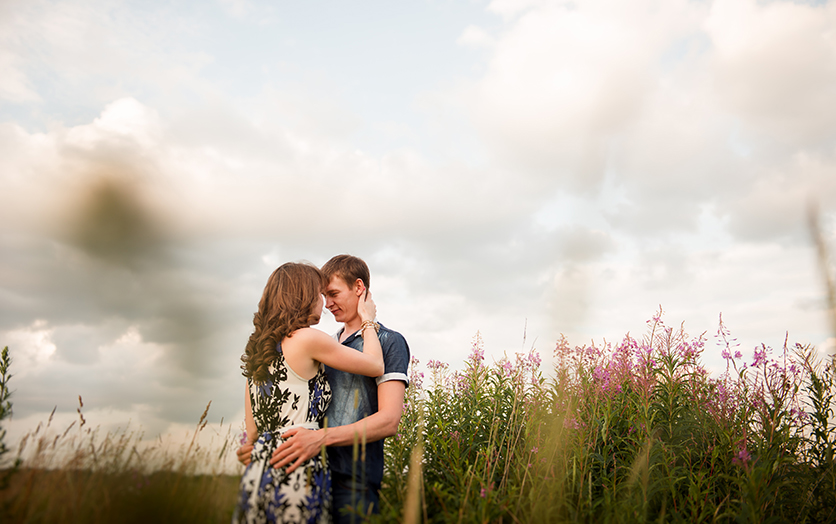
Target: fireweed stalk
630 432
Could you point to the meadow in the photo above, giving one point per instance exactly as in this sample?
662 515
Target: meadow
637 431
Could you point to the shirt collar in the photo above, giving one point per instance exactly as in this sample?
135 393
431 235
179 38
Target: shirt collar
351 336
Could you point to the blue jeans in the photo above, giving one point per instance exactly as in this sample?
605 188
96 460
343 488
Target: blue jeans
355 495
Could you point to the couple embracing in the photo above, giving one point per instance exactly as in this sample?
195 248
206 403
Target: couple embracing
307 392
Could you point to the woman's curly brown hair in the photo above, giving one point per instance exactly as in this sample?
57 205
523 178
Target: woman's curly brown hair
287 304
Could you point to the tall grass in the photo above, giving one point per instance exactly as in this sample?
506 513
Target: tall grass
78 474
638 431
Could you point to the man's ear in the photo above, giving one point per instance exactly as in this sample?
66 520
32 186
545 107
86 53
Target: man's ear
358 287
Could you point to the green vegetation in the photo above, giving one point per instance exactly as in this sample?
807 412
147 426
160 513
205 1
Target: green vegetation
636 432
5 396
5 414
81 476
633 432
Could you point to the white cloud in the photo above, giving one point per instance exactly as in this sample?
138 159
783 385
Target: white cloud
637 97
474 36
777 203
775 66
511 8
624 166
564 81
126 119
33 347
14 84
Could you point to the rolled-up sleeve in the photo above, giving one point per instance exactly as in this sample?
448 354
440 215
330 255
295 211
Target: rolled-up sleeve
395 357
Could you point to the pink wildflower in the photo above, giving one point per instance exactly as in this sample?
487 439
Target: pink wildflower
534 359
742 458
760 356
437 365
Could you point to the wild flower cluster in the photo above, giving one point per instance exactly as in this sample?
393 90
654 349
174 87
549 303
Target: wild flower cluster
636 431
630 432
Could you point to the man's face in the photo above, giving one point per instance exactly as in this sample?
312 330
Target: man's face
341 300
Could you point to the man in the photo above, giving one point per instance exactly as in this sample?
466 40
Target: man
362 409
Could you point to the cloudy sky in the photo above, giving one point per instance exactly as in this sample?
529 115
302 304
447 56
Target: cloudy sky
520 168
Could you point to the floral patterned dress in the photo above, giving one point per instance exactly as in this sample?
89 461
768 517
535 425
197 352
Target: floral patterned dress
268 494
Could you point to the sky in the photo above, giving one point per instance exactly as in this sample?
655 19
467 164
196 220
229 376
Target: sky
516 168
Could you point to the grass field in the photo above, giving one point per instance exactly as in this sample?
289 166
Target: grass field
637 431
76 496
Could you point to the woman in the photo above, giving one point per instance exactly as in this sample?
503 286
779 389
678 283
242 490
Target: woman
286 388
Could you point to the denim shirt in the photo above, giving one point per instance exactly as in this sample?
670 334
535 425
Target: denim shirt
344 410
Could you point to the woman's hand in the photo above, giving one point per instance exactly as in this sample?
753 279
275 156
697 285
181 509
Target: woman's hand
245 454
366 308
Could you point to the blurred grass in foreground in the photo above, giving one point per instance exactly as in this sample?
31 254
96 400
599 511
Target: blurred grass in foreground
78 475
77 496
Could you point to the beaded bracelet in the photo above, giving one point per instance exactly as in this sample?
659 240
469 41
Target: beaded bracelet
370 323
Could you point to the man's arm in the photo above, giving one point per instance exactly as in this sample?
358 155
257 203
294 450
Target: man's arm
303 444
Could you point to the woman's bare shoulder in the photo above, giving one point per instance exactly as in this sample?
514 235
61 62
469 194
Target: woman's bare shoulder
309 334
